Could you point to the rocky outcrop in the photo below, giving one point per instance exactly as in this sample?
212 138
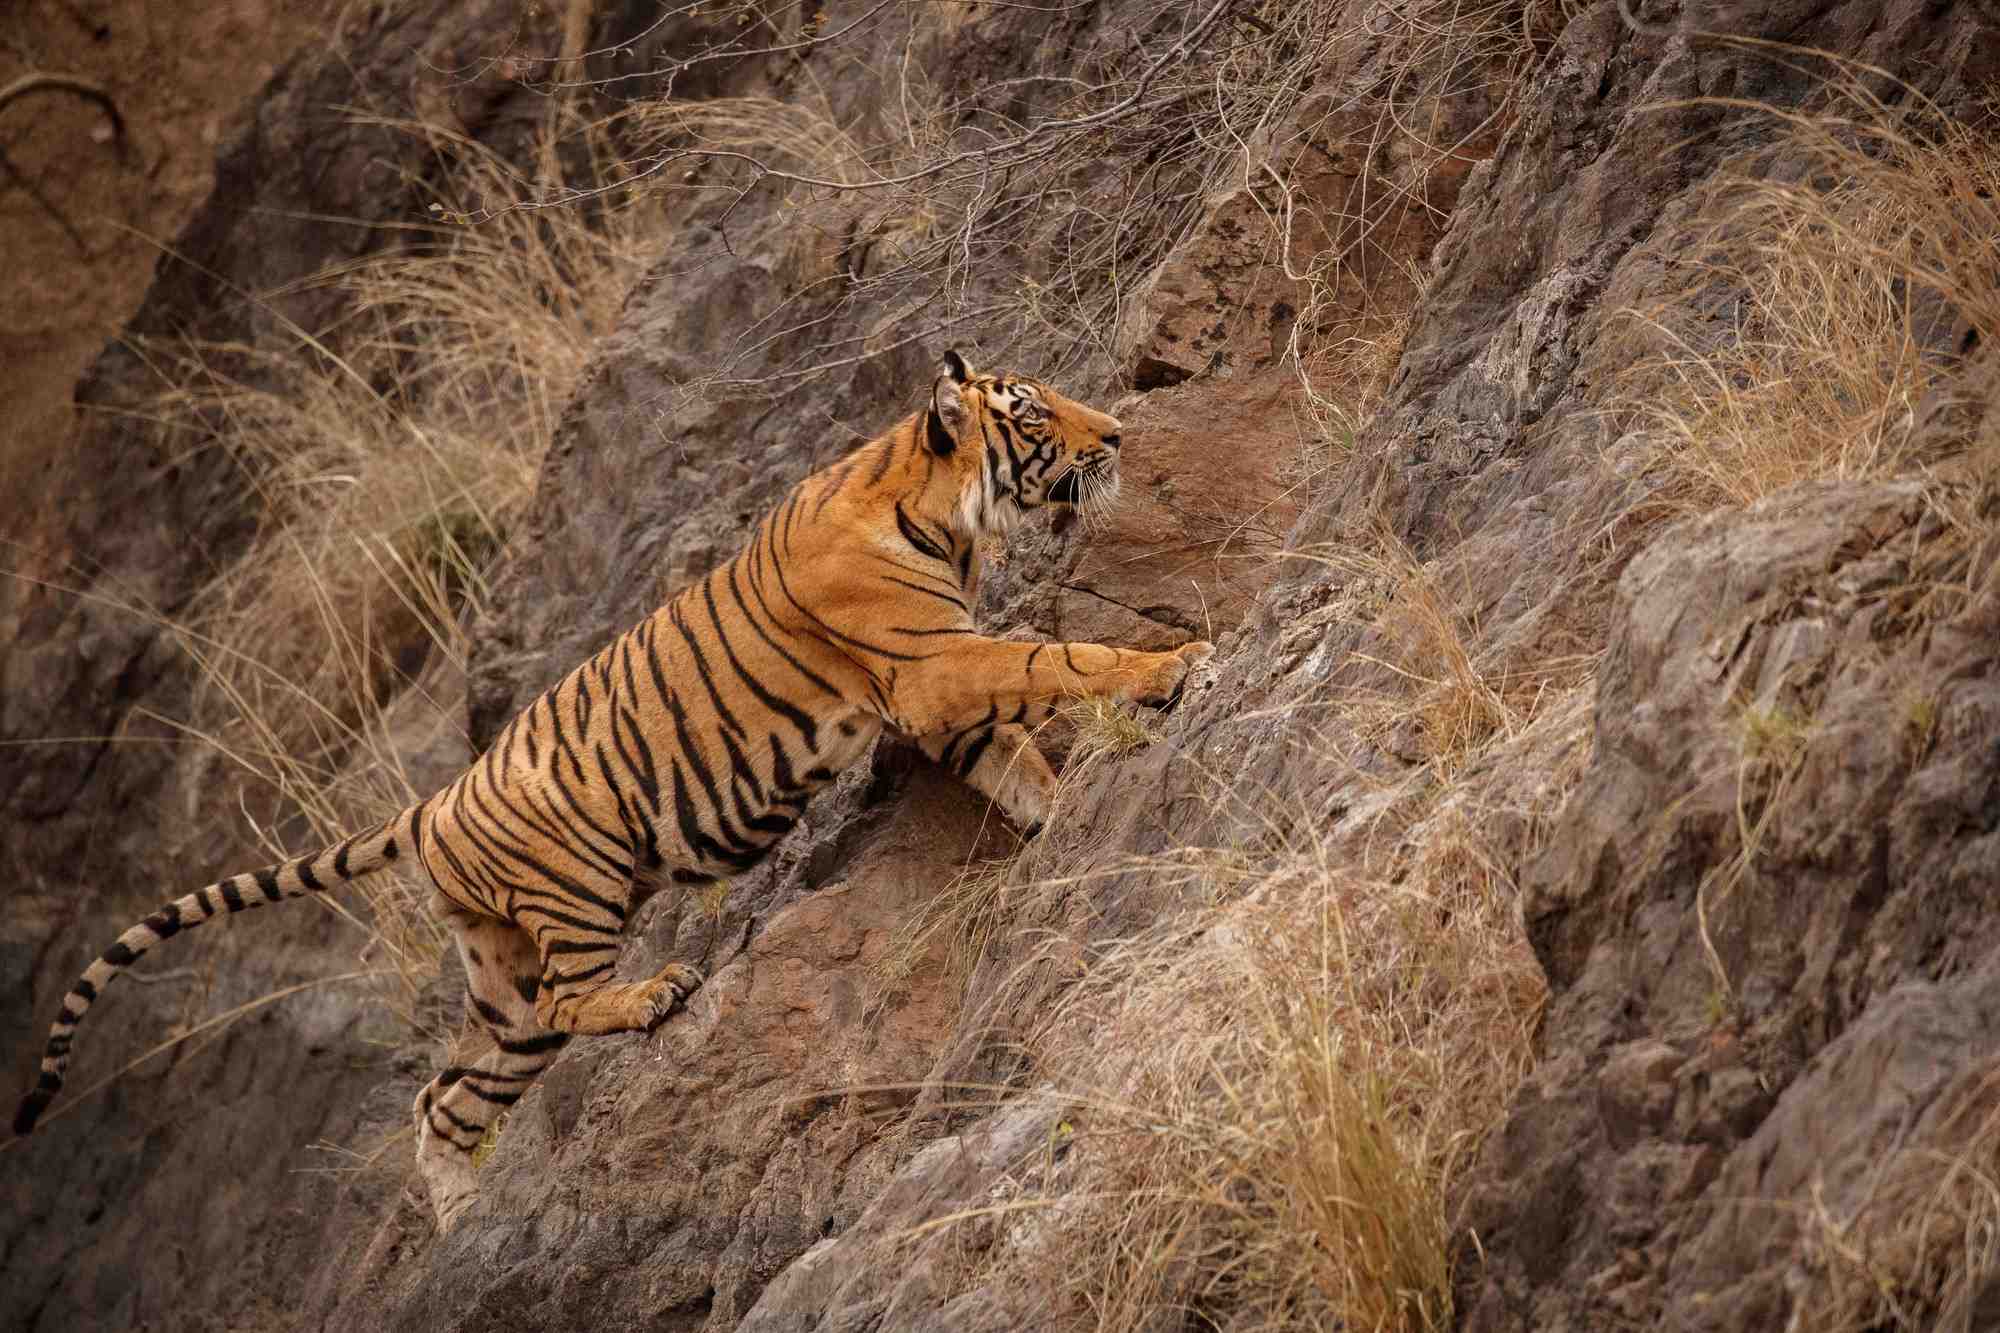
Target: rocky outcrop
1767 933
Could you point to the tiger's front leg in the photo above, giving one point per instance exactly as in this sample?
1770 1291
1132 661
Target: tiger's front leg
979 682
1003 764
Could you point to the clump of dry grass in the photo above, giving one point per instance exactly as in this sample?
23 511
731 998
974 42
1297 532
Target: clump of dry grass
388 455
1446 696
1104 727
1277 1089
952 210
1917 1251
1851 263
956 925
1278 1093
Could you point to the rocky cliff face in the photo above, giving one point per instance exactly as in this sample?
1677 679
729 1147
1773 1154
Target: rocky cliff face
1764 1058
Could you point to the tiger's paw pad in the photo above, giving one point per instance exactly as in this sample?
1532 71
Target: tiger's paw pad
676 982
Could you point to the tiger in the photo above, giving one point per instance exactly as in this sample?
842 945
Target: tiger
690 744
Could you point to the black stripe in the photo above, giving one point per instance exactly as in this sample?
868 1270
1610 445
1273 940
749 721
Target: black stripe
232 896
831 482
765 635
489 1013
304 871
637 756
558 827
973 752
497 1098
166 922
798 717
621 712
119 955
340 858
537 1045
958 602
783 781
778 572
888 456
596 946
441 1109
701 670
552 826
497 1076
575 805
917 537
936 436
389 850
84 991
560 979
537 902
490 842
267 880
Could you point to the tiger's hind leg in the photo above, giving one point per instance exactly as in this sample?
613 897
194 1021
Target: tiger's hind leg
458 1108
578 995
1004 764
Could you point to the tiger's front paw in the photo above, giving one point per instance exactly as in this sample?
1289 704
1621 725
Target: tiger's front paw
1163 688
673 985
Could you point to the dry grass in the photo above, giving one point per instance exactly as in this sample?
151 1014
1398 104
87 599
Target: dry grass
1279 1088
1837 281
1921 1247
942 211
387 456
1834 281
1445 696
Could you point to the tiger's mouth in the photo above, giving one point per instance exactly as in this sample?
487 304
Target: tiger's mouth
1086 492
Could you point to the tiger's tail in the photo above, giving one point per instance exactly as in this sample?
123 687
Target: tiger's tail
362 854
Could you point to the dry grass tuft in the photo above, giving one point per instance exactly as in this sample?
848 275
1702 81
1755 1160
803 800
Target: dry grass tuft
957 923
1923 1245
388 455
1836 279
1103 729
1449 699
1282 1154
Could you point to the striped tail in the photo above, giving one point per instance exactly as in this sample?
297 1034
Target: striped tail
362 854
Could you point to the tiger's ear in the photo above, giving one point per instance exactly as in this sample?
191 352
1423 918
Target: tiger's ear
954 366
945 421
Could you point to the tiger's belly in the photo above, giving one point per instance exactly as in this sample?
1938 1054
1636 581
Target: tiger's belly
722 816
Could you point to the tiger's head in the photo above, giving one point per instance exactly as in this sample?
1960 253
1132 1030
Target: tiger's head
1015 444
